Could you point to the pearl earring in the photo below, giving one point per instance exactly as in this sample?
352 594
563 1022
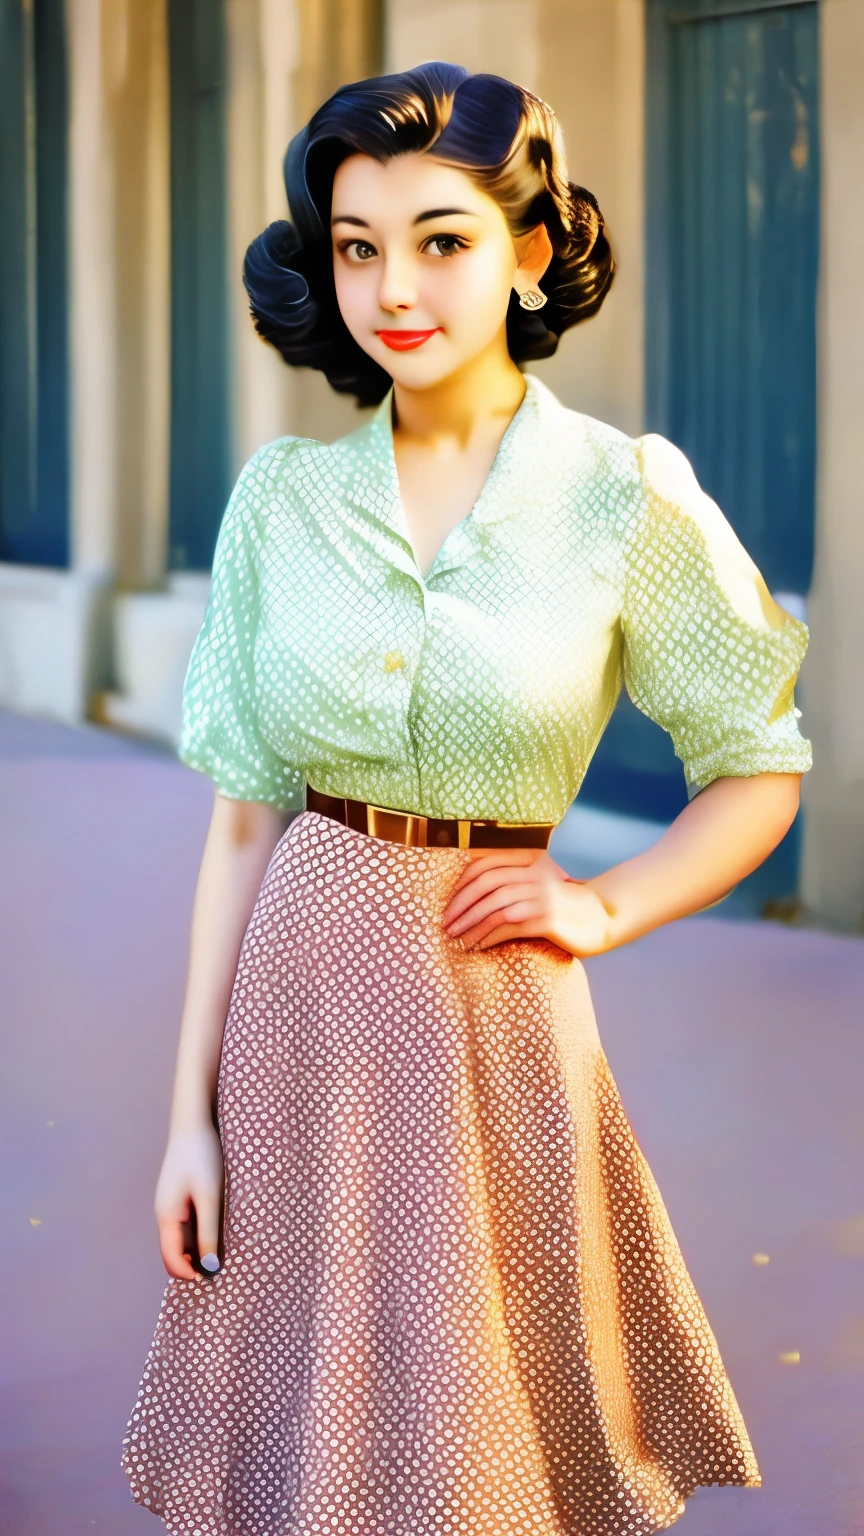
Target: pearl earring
533 299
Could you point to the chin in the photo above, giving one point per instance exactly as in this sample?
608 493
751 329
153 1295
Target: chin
417 377
416 372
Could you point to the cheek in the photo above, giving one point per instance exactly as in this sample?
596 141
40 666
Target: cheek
476 293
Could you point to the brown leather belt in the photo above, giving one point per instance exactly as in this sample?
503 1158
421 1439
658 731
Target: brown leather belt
428 831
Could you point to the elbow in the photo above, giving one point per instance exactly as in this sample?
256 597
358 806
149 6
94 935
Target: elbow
245 822
790 798
781 796
767 803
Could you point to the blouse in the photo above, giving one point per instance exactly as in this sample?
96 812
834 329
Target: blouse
589 560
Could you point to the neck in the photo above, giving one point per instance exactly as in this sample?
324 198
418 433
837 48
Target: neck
488 388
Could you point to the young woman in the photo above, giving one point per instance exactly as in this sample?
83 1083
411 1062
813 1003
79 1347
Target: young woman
449 1298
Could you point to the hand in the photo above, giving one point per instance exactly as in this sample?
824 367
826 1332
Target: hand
521 893
192 1175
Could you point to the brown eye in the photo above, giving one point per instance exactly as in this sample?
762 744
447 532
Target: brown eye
447 245
358 250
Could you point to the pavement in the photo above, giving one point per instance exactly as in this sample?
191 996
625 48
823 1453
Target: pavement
737 1047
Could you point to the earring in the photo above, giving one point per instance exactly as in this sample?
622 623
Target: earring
533 299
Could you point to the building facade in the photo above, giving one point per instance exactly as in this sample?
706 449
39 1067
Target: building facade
141 144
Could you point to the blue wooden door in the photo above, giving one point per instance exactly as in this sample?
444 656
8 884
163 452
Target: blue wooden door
737 386
200 412
733 234
34 452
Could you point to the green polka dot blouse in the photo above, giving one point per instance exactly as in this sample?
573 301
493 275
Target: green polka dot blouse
590 561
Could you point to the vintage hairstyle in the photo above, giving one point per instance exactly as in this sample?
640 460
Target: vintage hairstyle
505 138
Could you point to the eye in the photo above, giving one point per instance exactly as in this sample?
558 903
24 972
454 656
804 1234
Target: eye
357 250
447 245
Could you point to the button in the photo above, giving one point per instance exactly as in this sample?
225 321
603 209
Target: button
393 660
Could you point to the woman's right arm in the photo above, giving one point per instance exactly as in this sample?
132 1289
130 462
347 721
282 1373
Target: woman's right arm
240 841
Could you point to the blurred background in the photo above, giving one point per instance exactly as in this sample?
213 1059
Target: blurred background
141 144
140 150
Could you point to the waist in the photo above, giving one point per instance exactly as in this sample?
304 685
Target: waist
415 831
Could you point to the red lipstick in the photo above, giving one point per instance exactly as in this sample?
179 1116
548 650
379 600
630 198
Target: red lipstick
405 341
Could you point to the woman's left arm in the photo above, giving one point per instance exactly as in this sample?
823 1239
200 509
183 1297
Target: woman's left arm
721 836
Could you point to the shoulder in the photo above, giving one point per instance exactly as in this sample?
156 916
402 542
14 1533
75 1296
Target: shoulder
597 466
676 499
271 484
277 465
686 528
593 449
669 479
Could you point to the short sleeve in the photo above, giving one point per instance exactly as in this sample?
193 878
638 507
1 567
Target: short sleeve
220 733
708 654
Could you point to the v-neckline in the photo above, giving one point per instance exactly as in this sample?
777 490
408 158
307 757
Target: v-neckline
458 531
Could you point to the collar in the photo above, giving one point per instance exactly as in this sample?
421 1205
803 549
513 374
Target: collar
530 441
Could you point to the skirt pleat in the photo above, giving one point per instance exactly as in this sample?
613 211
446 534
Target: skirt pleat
451 1298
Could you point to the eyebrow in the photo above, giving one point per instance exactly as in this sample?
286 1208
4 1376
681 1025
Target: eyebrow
445 213
422 218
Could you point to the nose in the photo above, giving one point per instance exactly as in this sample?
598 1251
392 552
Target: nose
397 289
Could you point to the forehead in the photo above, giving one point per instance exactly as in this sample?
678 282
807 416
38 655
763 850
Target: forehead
403 187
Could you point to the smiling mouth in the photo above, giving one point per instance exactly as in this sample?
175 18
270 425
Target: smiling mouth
406 341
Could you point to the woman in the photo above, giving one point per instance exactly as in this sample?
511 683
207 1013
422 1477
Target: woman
449 1298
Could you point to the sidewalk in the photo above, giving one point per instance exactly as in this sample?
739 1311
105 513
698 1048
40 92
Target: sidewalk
737 1048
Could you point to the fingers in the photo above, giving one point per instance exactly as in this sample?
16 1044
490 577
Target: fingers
496 858
175 1245
521 918
498 899
506 931
190 1233
488 879
208 1209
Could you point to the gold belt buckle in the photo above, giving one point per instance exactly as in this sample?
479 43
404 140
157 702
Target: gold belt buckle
397 826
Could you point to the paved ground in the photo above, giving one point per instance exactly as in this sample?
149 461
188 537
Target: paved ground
737 1047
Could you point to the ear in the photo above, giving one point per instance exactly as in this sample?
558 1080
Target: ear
533 253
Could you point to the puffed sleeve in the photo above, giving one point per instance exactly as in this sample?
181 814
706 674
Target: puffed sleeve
221 734
708 654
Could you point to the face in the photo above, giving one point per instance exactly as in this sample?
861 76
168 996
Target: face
424 265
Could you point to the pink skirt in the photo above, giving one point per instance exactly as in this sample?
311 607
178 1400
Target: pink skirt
451 1300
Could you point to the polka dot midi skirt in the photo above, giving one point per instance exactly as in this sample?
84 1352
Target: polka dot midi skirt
451 1299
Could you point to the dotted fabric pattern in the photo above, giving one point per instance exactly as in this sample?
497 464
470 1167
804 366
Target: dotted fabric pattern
589 560
451 1300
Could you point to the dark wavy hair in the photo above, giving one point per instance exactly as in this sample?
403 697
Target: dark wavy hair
501 135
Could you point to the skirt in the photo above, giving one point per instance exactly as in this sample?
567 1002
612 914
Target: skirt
451 1299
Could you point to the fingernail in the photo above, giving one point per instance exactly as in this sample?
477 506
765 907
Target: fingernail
210 1262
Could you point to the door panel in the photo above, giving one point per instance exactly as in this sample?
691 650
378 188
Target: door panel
743 253
34 449
732 254
200 417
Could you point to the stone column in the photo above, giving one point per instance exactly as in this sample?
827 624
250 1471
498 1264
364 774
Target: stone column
262 53
119 206
832 680
92 297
